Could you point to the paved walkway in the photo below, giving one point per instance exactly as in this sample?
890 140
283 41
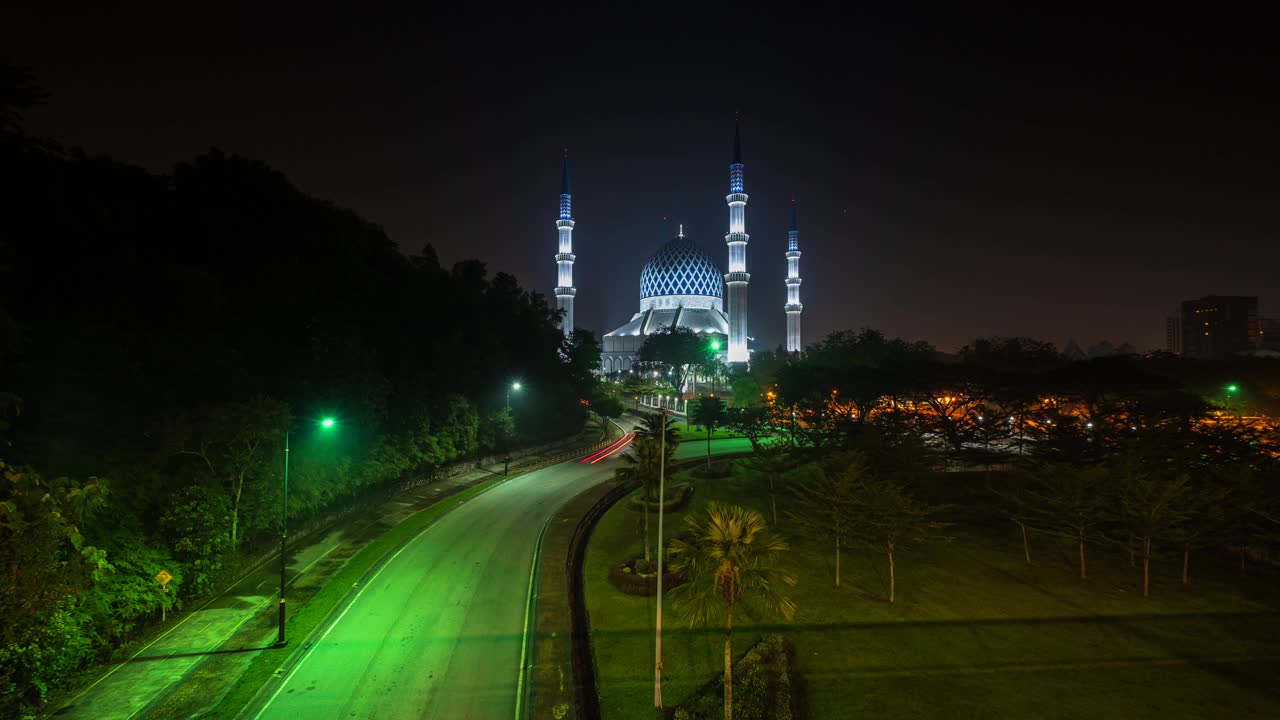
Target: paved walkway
188 666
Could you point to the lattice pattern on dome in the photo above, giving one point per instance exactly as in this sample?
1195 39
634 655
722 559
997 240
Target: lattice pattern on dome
680 268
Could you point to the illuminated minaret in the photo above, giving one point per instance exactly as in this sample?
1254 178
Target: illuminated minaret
737 277
564 259
793 306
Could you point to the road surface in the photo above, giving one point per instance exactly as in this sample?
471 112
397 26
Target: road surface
438 632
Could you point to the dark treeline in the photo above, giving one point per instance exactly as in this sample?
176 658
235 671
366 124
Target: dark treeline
1003 397
158 336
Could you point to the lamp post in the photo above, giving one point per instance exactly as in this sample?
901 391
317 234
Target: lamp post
281 641
506 450
1231 389
662 495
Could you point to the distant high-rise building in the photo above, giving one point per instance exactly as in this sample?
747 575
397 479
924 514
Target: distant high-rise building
1219 326
1173 333
1268 334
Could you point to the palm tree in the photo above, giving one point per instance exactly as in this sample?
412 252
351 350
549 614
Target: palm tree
732 559
642 469
708 412
651 427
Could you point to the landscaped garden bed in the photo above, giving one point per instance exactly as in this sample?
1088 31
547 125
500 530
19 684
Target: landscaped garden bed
677 495
763 687
637 576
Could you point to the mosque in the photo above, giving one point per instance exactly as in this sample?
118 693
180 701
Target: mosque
681 286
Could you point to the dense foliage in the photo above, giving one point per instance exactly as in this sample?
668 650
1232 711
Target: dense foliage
163 332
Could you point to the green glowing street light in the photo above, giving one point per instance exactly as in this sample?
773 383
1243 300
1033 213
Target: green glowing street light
506 450
715 344
327 423
1231 389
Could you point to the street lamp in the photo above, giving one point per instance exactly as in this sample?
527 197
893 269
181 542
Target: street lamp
662 494
506 450
327 423
1231 389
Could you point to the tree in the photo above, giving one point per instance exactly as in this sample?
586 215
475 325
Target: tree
197 527
18 92
708 412
604 400
238 444
675 349
1151 506
642 468
826 503
770 459
948 403
889 519
752 422
651 427
731 559
48 564
1212 515
1017 506
1069 501
581 354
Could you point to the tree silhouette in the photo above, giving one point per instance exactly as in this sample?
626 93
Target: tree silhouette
771 459
827 503
709 412
888 518
732 559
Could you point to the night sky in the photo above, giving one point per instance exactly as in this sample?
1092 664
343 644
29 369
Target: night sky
1065 176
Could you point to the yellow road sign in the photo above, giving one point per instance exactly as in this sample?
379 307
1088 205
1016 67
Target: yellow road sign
163 577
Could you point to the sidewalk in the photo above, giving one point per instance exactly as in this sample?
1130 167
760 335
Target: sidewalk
187 669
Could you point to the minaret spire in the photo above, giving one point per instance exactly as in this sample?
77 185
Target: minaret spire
737 278
737 140
564 175
565 291
793 306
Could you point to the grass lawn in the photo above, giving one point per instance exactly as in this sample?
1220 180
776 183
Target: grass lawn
975 632
697 432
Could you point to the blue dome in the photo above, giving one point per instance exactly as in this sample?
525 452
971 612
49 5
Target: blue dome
680 268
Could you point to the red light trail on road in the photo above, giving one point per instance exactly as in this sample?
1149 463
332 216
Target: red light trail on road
608 450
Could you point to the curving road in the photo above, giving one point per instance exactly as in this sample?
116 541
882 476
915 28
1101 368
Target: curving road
437 633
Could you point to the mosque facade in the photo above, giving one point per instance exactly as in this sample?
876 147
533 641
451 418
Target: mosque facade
682 286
